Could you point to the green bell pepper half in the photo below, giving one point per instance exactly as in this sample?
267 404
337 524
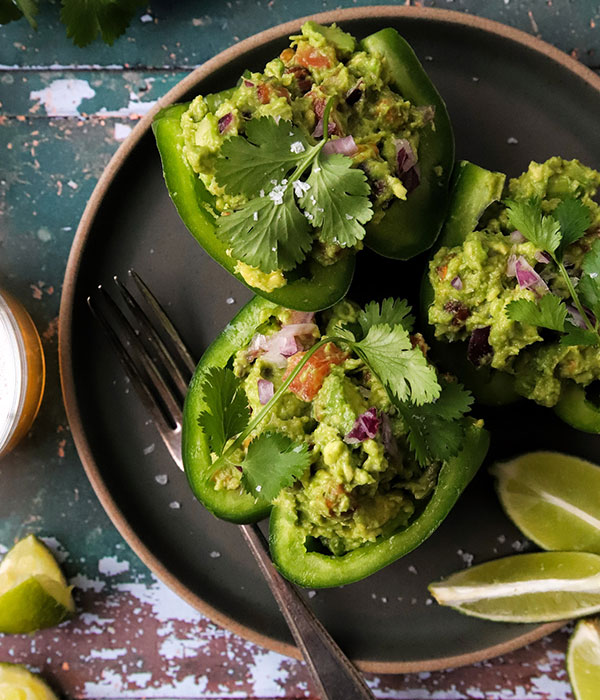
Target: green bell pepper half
321 287
575 409
316 570
412 226
235 506
473 190
286 539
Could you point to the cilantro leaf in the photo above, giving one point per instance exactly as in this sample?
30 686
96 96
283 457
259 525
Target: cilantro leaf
574 219
549 312
588 290
403 369
227 412
591 261
85 18
526 216
268 232
269 151
393 312
436 430
578 336
337 201
273 462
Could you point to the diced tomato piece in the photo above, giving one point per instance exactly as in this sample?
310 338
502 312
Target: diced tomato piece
306 385
442 271
264 93
310 57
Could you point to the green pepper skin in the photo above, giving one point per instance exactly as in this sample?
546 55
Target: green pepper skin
576 410
235 506
473 190
316 570
412 226
323 287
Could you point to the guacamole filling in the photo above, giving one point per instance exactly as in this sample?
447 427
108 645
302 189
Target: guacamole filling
474 282
363 481
379 127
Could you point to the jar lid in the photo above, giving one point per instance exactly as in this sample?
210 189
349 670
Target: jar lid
13 373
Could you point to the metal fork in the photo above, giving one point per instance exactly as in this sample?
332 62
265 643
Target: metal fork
160 366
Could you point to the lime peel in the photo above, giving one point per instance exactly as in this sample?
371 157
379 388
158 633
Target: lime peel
583 660
17 683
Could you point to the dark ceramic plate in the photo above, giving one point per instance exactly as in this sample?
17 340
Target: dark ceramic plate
511 99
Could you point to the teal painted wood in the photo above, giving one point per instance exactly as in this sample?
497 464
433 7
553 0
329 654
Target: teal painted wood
63 112
185 34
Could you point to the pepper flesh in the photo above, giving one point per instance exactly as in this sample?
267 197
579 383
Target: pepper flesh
239 507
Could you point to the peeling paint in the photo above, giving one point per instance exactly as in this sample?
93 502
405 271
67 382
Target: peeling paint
63 97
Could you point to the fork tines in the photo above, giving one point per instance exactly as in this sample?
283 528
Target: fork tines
143 340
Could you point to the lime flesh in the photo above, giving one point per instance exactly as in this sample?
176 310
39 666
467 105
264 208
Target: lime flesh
583 660
553 499
538 587
33 590
17 683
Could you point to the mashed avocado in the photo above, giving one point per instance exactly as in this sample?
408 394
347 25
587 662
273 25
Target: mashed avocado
354 491
321 62
474 282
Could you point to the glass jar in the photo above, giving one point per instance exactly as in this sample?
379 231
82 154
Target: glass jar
22 372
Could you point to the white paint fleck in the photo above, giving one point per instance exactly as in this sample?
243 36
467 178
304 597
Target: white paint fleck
267 674
230 300
175 505
149 449
135 108
62 98
146 18
59 552
72 184
105 654
141 679
44 234
87 584
512 140
121 132
166 606
412 569
161 479
312 594
215 555
111 566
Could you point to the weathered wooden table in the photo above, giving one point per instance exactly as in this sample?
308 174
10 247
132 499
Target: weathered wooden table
64 111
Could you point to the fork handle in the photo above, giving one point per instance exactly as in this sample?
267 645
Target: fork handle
333 674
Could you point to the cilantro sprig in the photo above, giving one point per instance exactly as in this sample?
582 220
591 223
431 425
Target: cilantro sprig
432 409
553 233
275 228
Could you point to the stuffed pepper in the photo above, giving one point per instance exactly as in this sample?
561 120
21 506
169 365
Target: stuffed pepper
338 426
516 279
283 178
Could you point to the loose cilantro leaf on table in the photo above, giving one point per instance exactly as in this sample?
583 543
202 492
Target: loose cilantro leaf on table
550 312
270 231
227 412
86 18
273 462
552 233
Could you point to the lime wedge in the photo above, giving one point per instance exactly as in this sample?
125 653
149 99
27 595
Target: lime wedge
583 660
33 591
538 587
553 499
17 683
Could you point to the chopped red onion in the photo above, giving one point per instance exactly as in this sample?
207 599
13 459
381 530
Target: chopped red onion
517 237
284 343
365 426
528 278
457 283
266 390
224 122
511 270
302 317
332 128
405 156
345 145
247 83
576 318
428 112
258 344
387 437
479 349
411 178
541 257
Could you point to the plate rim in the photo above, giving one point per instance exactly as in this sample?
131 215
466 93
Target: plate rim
450 17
